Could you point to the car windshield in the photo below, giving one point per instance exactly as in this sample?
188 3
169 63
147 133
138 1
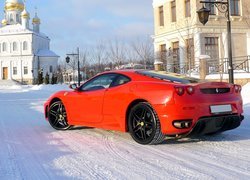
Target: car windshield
173 77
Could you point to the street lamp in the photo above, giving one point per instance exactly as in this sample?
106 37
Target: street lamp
78 63
223 7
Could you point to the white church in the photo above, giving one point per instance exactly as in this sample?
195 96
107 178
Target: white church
24 50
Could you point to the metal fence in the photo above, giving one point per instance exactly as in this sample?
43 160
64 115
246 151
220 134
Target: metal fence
214 66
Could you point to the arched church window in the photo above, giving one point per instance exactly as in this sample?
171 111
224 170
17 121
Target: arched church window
11 18
51 69
25 45
14 46
4 47
17 18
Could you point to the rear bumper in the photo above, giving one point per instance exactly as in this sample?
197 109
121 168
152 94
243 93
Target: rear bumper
215 124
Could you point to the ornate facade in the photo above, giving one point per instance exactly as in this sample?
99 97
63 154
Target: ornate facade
24 51
183 39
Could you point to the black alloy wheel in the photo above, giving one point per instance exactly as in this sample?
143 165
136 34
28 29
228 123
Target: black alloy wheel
144 125
57 116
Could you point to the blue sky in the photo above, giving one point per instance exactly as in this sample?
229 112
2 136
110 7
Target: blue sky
84 22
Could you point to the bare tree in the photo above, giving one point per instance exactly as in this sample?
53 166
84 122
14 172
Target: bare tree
98 55
117 52
144 49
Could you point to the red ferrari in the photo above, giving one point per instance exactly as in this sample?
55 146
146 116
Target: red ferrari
148 104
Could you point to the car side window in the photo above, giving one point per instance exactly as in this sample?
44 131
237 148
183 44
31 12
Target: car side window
99 82
120 80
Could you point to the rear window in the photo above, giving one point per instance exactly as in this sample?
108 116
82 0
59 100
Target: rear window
166 76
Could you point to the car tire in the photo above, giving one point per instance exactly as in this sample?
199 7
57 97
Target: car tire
57 116
144 125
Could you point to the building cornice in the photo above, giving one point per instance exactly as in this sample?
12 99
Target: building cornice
157 3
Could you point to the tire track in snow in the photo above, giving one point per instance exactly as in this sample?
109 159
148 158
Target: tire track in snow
144 162
13 168
196 163
83 164
126 158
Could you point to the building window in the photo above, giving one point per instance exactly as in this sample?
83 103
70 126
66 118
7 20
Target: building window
187 8
235 7
163 53
173 11
190 52
25 45
11 18
211 7
17 18
161 16
211 47
51 69
14 46
176 67
25 70
14 70
4 47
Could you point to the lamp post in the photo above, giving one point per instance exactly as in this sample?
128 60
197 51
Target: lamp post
78 62
223 7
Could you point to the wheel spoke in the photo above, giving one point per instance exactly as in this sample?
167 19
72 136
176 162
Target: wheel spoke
143 133
136 117
53 113
143 114
60 108
149 124
136 128
56 122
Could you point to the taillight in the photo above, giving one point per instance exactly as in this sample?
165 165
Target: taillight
190 90
179 90
237 88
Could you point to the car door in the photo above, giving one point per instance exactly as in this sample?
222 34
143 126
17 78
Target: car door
115 101
86 104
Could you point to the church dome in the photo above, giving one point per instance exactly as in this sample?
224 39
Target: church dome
36 20
25 14
13 5
4 22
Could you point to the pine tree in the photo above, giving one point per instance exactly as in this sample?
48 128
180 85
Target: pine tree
46 79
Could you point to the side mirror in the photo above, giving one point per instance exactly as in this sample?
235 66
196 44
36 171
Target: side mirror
73 86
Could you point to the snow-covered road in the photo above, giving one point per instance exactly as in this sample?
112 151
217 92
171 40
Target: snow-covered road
31 149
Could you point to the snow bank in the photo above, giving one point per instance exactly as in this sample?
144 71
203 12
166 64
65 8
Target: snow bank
246 93
27 88
56 87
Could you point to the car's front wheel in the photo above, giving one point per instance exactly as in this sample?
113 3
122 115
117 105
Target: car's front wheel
57 116
144 125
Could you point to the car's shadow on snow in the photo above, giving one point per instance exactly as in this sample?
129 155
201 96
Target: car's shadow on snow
74 128
223 137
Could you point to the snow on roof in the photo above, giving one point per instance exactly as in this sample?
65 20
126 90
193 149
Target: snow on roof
18 29
46 53
13 29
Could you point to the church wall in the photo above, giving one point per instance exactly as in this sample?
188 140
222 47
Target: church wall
19 40
19 65
46 62
40 43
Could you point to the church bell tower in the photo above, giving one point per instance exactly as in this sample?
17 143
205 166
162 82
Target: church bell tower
13 10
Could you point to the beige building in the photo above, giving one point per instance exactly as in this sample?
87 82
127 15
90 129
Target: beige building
180 39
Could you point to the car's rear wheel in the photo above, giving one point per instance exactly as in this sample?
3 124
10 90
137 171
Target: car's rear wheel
144 125
57 116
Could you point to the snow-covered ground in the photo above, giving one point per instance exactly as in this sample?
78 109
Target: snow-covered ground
31 149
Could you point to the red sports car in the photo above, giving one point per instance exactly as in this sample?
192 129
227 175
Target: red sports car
148 104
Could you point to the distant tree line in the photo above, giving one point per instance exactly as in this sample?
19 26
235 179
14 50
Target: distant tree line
108 55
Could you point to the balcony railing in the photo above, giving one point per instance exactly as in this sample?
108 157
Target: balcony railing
214 66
